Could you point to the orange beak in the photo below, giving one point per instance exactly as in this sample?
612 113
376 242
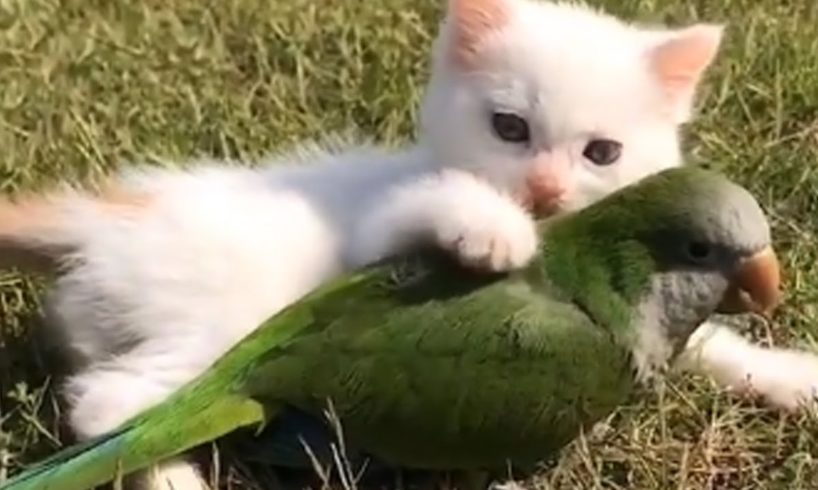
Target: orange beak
755 287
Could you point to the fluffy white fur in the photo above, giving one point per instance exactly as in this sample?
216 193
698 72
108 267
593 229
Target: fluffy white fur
174 267
784 378
156 295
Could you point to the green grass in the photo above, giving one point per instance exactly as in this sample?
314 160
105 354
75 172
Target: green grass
85 85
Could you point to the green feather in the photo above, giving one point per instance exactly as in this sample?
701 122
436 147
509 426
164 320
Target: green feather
431 366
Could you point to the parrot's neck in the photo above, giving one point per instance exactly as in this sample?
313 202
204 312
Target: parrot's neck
651 347
613 282
666 318
640 316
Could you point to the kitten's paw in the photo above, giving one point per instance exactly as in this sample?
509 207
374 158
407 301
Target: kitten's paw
496 238
507 485
174 474
785 379
453 210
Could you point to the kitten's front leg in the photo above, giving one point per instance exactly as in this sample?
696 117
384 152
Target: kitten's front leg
454 210
784 378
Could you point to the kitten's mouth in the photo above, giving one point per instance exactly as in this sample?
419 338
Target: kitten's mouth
540 208
546 209
543 194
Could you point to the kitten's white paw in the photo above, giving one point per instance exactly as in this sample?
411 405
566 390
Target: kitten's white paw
497 238
453 210
508 485
174 474
786 379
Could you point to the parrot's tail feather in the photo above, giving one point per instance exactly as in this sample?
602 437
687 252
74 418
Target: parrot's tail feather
40 476
137 445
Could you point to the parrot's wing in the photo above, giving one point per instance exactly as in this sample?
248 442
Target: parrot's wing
433 372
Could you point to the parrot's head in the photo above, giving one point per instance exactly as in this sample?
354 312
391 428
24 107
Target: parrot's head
675 247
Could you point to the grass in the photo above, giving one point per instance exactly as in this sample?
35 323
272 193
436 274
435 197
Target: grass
87 84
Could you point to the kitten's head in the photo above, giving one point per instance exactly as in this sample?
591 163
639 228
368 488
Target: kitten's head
560 102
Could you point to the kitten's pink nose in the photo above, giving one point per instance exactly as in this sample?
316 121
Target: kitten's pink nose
547 183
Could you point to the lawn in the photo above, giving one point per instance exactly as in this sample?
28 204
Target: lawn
86 85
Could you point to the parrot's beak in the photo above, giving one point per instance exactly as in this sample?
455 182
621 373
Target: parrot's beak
755 286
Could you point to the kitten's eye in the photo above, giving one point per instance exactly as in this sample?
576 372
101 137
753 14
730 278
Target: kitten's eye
699 252
510 127
602 152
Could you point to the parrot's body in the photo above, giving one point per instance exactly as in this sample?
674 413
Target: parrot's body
428 366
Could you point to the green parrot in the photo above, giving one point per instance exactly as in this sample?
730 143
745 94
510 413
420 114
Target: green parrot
430 366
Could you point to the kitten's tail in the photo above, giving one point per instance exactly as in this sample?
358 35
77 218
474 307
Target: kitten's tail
39 233
32 233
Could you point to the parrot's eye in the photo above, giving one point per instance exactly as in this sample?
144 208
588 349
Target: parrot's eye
699 252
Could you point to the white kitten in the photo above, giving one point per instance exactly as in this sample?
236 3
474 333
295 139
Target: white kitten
164 270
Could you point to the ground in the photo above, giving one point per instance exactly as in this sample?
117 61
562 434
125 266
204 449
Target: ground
86 85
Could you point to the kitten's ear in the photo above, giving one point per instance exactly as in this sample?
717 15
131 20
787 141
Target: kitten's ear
680 60
471 21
